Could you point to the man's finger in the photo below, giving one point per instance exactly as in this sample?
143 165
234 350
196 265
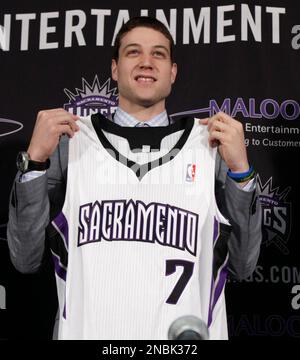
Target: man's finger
225 118
217 137
59 112
65 118
219 126
66 129
71 123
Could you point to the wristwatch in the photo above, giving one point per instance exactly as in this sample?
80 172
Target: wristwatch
25 164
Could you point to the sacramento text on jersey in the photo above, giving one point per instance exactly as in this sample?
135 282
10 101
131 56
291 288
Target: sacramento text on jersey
119 220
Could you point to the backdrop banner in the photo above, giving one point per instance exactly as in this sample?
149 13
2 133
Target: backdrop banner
240 57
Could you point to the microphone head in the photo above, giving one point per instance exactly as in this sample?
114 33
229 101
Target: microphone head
188 327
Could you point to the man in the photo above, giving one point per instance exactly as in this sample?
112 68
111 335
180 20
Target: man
144 70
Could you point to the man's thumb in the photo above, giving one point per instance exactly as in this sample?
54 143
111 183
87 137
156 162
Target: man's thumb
203 121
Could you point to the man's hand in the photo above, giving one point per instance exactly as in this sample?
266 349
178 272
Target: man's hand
228 134
49 126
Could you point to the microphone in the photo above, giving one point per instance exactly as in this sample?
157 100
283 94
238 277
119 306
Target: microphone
188 327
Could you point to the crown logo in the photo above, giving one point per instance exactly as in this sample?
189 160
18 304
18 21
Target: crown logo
92 98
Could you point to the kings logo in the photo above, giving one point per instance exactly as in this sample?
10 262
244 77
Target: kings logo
276 215
92 99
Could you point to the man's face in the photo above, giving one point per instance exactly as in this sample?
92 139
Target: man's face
144 70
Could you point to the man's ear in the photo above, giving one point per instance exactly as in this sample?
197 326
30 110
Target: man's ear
114 70
173 72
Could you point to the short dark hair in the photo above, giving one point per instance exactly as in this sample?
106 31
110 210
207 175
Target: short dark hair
142 21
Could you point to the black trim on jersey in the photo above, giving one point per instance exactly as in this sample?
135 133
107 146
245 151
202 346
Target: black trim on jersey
138 137
221 248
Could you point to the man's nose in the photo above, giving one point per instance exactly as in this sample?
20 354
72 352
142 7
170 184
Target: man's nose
146 61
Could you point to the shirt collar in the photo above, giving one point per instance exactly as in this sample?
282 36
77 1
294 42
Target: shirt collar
122 118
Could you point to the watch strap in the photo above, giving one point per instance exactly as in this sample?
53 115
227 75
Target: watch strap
37 165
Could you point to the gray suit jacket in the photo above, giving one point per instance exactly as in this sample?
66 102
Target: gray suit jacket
34 203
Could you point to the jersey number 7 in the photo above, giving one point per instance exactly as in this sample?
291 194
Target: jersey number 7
188 268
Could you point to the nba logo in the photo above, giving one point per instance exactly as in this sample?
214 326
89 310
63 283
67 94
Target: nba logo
190 173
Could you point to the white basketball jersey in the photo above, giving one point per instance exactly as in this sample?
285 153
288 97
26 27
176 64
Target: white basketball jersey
141 241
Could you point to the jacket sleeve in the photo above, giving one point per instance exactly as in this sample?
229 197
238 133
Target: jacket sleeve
243 210
32 205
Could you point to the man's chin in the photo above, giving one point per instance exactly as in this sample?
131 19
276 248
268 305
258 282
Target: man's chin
149 101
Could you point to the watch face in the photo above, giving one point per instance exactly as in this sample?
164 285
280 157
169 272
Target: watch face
22 161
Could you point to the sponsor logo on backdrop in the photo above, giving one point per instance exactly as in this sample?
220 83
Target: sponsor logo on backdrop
276 215
274 274
94 98
295 303
198 25
264 116
260 325
252 108
8 127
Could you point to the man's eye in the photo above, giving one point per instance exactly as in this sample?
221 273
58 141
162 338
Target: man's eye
158 54
132 52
